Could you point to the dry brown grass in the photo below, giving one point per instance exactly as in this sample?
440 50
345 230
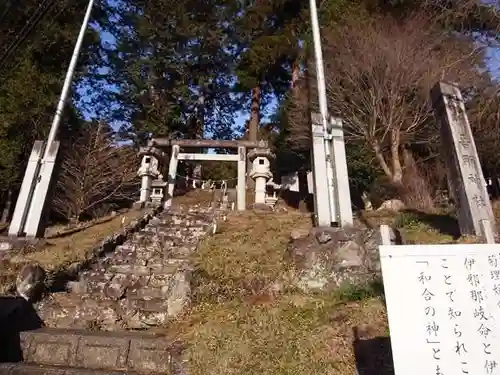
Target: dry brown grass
292 334
241 324
421 227
416 227
62 251
247 319
247 256
193 197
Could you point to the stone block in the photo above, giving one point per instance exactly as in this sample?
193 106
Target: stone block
43 347
31 369
149 355
98 352
138 205
130 269
148 293
118 351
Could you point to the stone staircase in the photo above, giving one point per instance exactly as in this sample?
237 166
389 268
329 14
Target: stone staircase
100 323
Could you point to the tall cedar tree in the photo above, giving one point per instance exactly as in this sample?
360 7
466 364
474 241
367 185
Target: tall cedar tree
171 67
268 35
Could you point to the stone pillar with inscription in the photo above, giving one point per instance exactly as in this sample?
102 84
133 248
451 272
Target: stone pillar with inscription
465 176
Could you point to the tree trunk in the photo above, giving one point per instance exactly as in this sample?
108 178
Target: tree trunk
381 159
253 127
295 76
200 131
397 169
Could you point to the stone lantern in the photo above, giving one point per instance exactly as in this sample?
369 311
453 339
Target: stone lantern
158 190
260 158
148 170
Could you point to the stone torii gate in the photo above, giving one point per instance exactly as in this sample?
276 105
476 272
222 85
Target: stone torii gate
176 155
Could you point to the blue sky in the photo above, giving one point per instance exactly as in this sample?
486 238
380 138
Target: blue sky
493 57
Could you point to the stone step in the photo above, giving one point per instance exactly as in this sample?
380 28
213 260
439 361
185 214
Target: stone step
45 349
145 257
131 269
143 283
21 368
67 310
186 225
115 284
135 288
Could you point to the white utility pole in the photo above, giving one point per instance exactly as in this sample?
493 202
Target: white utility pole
332 198
31 203
322 161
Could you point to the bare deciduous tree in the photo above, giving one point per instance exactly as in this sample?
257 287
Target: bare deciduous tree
95 173
379 74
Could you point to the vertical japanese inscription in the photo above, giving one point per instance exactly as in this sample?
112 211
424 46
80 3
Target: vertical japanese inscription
454 300
465 176
466 324
494 270
455 318
432 327
485 320
466 153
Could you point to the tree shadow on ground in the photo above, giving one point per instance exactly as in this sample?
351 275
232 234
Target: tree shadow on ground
443 223
16 316
373 356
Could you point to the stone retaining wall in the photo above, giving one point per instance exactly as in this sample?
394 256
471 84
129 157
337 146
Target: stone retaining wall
326 258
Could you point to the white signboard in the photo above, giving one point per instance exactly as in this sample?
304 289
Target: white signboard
443 305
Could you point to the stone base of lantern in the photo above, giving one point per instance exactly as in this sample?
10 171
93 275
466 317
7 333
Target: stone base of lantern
261 207
271 201
138 205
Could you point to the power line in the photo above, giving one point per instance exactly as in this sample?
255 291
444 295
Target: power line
50 24
6 11
32 22
6 14
30 25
